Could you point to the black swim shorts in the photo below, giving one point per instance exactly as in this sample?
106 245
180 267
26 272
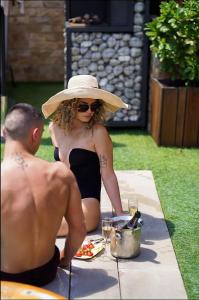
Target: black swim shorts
38 276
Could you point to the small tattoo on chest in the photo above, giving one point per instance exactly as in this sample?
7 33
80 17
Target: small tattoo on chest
103 161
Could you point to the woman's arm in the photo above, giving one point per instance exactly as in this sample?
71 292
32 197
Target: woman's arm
52 134
104 149
58 140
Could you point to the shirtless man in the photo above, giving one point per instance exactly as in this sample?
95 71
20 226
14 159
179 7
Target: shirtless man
35 196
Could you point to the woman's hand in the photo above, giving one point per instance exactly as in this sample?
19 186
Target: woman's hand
122 214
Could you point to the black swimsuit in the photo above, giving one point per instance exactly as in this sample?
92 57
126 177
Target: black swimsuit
86 167
38 276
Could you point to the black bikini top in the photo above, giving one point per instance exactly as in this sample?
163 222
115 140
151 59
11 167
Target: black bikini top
85 166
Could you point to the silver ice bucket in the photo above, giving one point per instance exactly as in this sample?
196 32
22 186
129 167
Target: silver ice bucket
125 243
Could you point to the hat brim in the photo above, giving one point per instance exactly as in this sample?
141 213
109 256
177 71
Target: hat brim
111 102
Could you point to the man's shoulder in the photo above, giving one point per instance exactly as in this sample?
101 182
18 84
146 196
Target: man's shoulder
58 170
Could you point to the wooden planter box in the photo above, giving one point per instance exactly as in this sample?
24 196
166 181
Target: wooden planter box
174 115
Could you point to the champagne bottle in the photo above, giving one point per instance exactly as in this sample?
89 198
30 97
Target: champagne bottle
132 223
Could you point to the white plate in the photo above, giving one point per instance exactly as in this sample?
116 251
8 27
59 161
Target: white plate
97 248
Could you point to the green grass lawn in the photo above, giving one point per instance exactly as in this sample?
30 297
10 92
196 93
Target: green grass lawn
176 174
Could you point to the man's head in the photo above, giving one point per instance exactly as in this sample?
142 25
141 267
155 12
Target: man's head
24 124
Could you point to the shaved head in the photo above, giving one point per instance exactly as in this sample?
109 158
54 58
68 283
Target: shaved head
20 119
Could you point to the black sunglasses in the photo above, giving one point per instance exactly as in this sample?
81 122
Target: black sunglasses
83 107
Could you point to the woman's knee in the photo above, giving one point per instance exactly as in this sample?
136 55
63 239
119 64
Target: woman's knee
91 210
63 230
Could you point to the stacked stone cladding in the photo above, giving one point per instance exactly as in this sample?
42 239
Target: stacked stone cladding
116 59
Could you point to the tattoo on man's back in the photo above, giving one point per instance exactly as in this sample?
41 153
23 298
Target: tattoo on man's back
103 161
20 160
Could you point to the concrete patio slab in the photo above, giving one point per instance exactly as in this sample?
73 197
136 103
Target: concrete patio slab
60 284
154 274
94 283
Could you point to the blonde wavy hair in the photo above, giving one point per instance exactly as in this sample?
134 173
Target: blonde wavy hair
66 112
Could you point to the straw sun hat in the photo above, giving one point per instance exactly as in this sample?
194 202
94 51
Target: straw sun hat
83 86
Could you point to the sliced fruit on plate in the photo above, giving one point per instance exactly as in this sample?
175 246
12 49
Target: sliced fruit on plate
88 250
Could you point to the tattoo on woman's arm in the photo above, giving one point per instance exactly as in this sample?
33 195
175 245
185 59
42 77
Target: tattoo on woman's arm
20 160
103 161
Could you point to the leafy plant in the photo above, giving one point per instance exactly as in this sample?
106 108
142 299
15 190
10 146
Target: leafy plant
174 37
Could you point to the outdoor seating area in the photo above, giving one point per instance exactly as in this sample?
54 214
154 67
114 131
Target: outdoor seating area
153 274
99 107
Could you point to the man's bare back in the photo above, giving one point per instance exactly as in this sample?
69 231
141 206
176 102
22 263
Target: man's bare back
35 196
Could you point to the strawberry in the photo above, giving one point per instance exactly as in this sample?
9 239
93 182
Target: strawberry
91 246
78 254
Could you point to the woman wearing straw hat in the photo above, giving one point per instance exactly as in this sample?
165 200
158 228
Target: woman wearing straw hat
82 142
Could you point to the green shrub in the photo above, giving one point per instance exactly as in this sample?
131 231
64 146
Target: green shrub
174 37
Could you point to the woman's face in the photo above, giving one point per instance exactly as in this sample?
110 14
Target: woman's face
86 109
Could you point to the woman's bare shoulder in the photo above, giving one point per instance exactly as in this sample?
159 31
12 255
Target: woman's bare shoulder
56 133
52 126
100 136
99 129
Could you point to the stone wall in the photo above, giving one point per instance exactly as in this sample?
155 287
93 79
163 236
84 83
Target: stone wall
116 59
36 41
